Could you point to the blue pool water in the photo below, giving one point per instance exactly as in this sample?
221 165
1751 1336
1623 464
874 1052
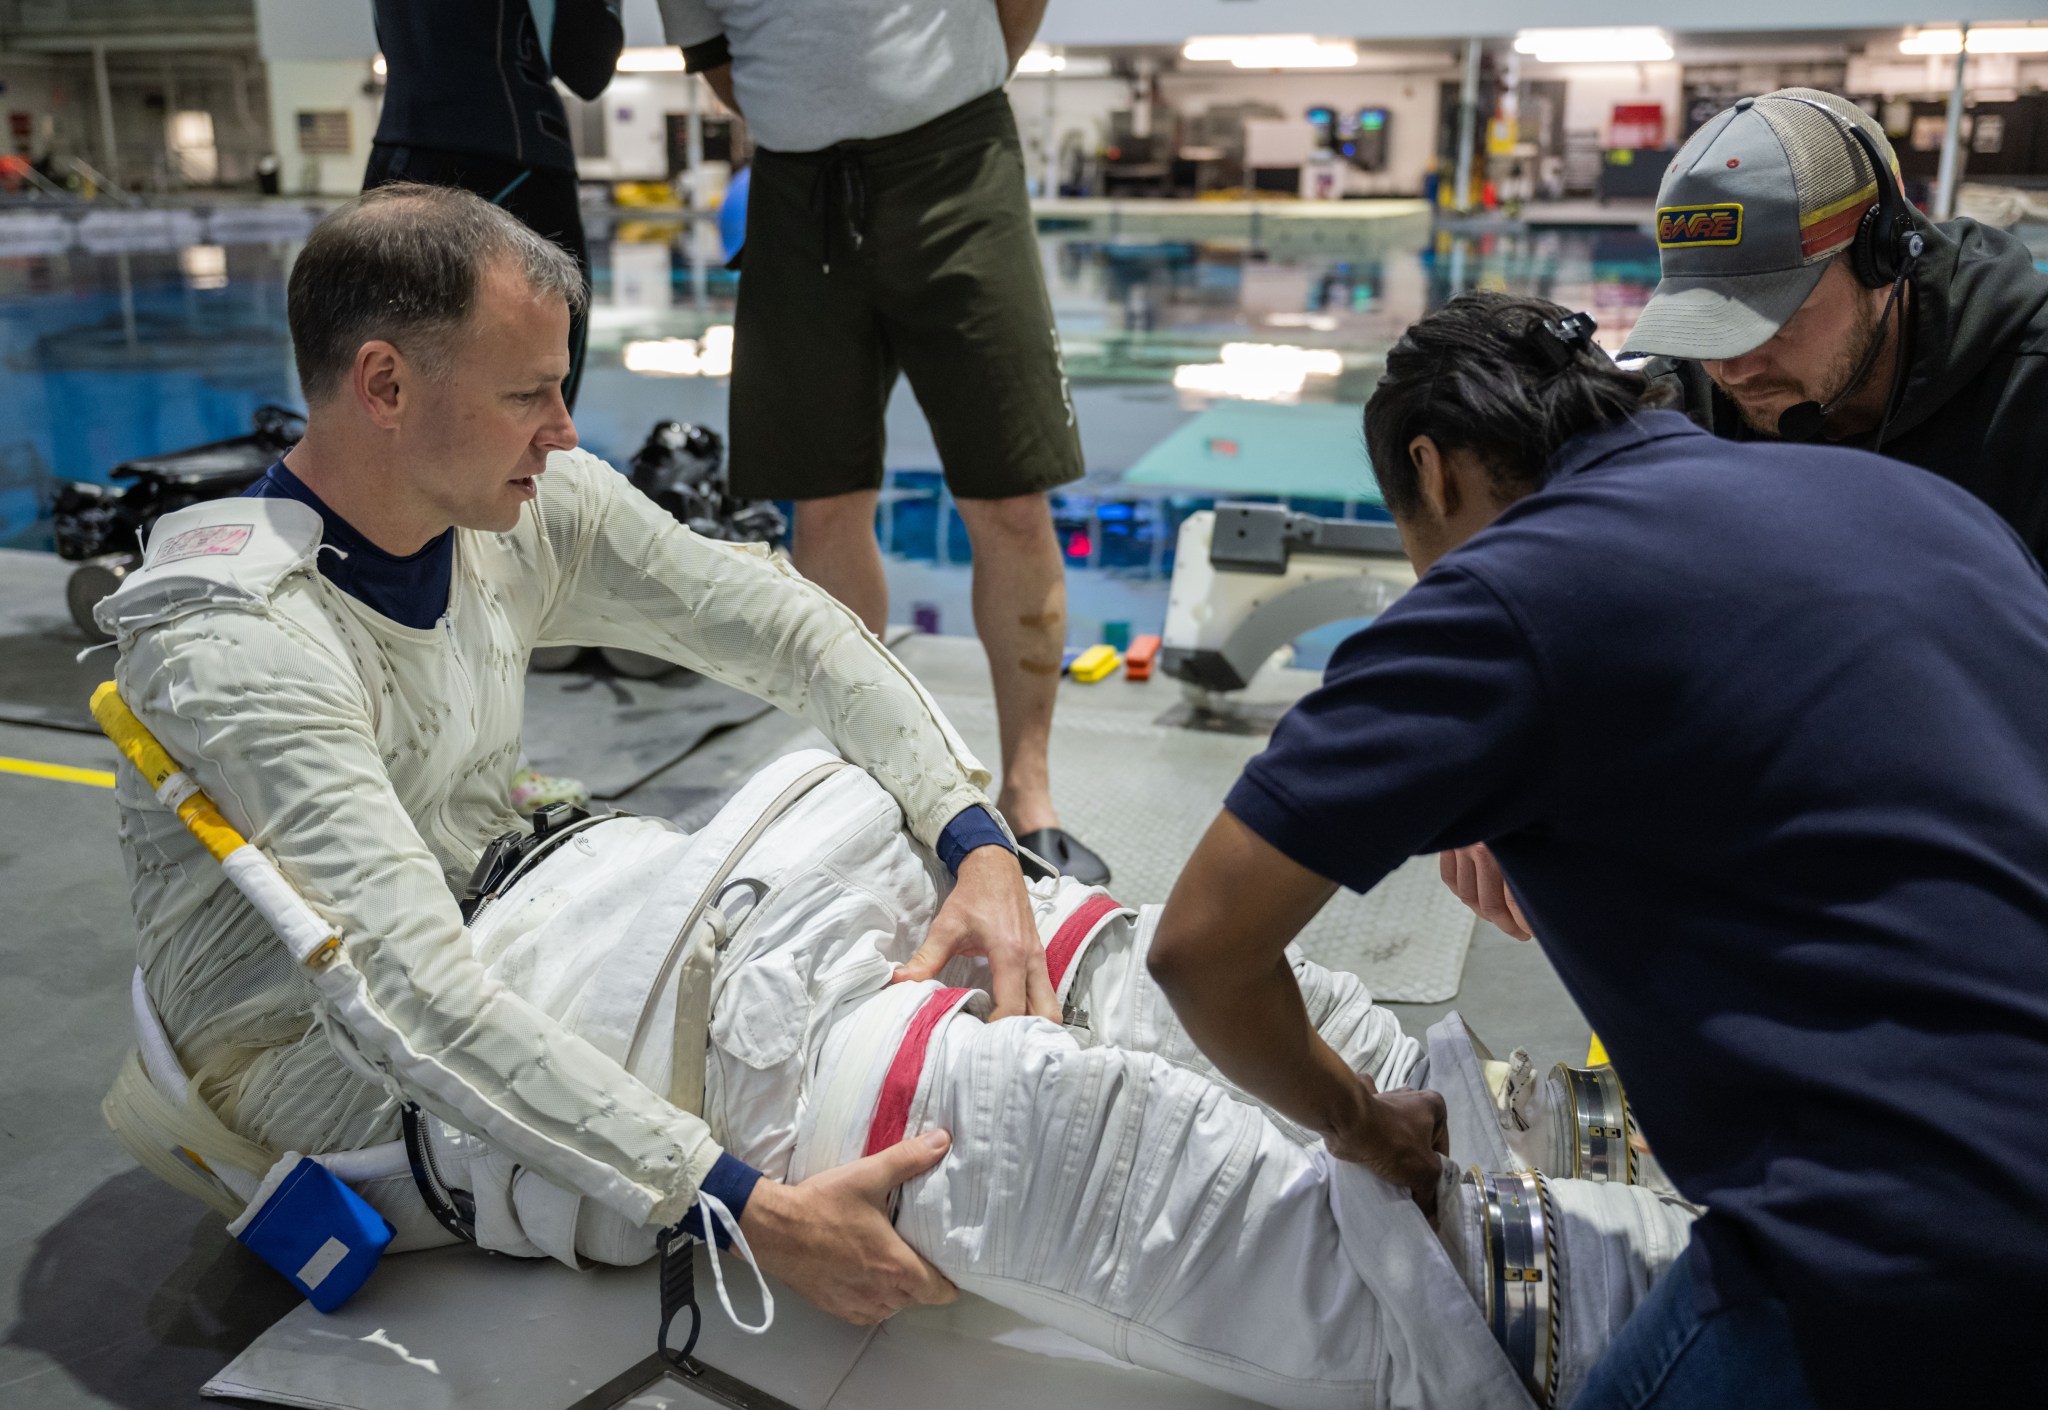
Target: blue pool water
111 355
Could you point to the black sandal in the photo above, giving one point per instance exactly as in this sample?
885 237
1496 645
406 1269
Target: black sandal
1063 856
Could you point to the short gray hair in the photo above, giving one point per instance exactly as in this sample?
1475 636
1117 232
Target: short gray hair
403 263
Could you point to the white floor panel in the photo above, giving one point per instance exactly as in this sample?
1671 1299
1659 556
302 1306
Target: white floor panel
457 1330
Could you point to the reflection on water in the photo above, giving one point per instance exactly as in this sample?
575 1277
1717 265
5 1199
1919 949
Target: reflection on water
107 356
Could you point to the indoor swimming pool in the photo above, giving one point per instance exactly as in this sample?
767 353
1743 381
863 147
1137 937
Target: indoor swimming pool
1199 369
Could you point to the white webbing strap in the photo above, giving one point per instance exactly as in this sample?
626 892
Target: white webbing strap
693 1010
709 1205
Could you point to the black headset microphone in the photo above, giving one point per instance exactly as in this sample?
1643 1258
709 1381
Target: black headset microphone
1882 253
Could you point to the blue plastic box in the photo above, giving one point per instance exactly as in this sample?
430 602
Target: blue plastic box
319 1233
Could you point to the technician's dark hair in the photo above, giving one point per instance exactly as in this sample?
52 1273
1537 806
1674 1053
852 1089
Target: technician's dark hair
1477 376
403 263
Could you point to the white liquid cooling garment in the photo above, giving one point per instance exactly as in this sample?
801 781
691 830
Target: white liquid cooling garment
372 762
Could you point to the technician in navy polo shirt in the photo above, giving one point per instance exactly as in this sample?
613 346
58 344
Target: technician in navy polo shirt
1759 735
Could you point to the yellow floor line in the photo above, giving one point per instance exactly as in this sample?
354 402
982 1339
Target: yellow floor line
61 773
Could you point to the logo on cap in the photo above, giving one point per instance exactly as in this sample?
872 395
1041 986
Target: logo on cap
1699 225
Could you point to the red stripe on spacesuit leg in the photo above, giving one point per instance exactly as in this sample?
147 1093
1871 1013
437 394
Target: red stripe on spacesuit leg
899 1086
1066 941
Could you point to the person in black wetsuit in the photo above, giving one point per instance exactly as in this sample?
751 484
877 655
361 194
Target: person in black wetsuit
470 102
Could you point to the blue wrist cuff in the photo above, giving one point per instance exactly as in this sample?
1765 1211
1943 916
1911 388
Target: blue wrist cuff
730 1181
971 828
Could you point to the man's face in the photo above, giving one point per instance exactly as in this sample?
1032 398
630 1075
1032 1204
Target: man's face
477 441
1811 358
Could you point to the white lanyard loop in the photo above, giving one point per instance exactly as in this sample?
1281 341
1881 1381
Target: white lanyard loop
708 1206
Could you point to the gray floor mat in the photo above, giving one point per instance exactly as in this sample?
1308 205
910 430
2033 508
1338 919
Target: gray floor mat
43 683
614 732
1142 793
611 731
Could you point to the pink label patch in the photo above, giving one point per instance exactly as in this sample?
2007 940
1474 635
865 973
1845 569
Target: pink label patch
218 541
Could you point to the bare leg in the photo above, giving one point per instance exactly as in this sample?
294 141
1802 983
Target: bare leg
1020 612
834 546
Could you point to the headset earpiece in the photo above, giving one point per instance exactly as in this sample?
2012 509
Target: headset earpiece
1873 255
1886 243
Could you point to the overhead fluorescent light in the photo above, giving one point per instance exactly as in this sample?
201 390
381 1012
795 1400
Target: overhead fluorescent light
1623 45
2010 39
1271 51
1039 59
664 59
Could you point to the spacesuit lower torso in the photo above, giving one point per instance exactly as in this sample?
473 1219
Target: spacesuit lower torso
1103 1178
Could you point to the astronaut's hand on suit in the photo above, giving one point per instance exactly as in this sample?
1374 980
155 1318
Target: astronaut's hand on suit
989 914
830 1239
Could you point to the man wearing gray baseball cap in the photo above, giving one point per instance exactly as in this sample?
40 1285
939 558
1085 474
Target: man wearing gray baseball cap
1804 299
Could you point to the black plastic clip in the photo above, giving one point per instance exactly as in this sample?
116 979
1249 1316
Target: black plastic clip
678 1291
1558 340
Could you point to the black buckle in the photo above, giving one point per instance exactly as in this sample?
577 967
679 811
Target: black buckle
509 851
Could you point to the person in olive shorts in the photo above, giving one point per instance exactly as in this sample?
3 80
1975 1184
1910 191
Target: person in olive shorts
888 232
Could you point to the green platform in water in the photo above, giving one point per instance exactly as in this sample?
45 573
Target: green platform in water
1313 451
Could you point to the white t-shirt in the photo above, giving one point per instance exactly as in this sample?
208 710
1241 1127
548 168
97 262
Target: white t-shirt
809 74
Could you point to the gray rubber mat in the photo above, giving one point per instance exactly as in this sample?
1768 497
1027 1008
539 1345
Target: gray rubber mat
611 731
43 683
1142 794
615 733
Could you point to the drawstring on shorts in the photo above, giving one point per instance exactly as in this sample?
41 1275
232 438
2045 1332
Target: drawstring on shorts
839 196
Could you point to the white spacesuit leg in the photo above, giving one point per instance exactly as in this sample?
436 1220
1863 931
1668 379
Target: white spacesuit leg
1128 1201
1114 998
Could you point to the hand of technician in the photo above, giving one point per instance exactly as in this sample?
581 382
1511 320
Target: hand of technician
1400 1137
989 914
1475 876
830 1239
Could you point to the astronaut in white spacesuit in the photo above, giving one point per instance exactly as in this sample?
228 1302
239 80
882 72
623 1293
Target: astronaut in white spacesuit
340 662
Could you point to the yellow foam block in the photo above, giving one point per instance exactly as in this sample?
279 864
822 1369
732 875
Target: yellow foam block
1095 663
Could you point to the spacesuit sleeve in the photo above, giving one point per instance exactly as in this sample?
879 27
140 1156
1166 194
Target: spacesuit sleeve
279 732
1432 729
632 577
